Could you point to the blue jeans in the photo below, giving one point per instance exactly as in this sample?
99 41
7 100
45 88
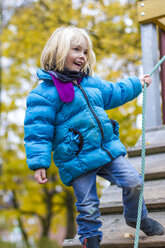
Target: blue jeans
119 172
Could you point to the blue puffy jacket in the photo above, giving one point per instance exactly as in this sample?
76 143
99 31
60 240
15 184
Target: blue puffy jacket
79 133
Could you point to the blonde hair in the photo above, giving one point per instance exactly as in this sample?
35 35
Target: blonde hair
57 48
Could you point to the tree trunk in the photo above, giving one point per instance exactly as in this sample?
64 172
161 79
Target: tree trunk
46 221
70 217
23 231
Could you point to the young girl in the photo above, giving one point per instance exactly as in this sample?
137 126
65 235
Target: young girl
66 114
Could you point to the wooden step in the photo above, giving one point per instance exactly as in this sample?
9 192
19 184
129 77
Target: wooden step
154 195
118 235
154 135
155 142
154 165
150 149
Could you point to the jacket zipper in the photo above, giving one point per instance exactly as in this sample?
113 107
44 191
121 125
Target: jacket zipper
97 119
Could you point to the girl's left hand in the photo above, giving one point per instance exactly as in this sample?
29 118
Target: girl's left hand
146 79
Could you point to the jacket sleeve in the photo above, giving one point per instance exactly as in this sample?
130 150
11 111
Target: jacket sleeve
39 127
116 94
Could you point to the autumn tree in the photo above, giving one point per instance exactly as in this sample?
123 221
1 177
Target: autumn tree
22 34
114 31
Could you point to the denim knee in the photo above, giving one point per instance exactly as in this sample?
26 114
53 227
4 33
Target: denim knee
133 182
88 211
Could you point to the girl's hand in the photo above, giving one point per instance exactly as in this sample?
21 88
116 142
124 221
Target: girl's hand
40 176
146 79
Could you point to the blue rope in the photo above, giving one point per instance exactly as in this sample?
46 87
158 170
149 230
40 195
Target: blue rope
143 157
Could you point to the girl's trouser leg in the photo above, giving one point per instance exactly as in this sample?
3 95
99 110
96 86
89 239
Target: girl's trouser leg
87 204
121 172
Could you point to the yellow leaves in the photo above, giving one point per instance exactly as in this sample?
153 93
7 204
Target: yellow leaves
23 41
128 235
126 116
32 201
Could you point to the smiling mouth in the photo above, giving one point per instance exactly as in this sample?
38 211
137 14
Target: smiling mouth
78 64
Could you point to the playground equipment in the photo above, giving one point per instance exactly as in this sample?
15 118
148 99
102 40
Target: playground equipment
151 16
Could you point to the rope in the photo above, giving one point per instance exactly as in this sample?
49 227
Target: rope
143 157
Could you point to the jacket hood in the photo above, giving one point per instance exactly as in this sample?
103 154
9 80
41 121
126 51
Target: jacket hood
42 75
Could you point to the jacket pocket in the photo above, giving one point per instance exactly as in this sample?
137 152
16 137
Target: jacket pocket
76 141
115 126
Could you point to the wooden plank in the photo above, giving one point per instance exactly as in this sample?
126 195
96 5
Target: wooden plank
117 207
150 10
150 149
154 135
115 229
154 165
161 24
114 194
111 200
155 142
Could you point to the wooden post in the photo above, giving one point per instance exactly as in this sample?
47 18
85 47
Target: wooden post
149 59
162 73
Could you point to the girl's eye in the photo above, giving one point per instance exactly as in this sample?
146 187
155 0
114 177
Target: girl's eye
76 49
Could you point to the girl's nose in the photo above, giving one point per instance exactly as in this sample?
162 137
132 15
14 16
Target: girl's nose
82 55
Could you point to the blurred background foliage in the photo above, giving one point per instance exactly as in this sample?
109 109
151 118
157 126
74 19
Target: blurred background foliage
35 215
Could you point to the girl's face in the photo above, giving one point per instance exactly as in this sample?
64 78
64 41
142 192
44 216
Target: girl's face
77 56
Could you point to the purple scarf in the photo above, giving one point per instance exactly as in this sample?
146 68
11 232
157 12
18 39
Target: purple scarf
64 85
